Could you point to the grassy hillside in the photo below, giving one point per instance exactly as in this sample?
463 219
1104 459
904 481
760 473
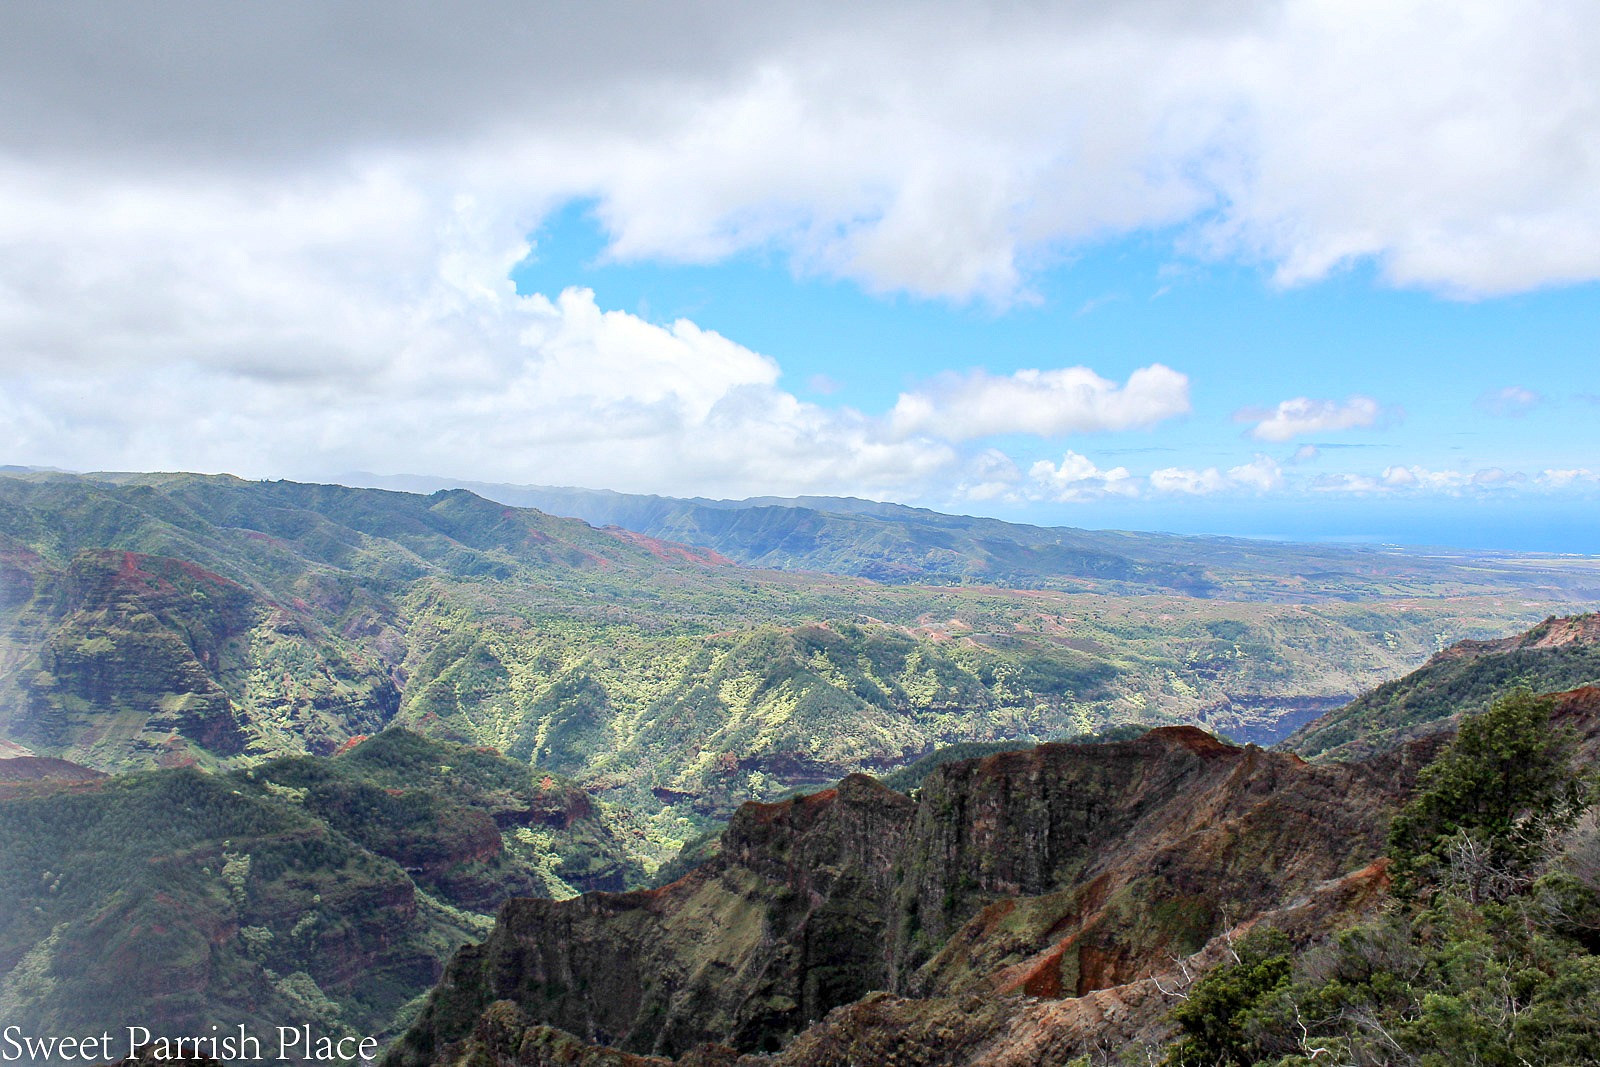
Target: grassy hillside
308 889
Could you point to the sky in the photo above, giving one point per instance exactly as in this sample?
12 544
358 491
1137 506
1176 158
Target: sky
1322 270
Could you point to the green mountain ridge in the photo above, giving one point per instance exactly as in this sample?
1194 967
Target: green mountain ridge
163 619
897 544
1559 654
305 890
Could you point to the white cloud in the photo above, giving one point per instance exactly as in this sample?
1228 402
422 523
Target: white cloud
384 346
1417 477
288 253
1497 478
1189 481
1045 402
936 148
989 475
1078 478
371 324
1512 401
1262 475
1563 478
1400 478
1346 482
1302 415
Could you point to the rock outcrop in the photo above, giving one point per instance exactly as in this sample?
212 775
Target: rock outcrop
1010 883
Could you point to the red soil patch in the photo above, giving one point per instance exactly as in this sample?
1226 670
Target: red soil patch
40 768
1192 738
671 551
1044 980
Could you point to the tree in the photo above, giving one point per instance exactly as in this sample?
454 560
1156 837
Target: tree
1485 809
1217 1013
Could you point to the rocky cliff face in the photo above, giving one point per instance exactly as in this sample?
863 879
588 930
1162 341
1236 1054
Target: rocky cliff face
1053 873
1557 655
789 922
1063 870
130 652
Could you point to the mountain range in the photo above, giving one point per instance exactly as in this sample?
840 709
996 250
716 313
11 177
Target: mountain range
896 544
283 749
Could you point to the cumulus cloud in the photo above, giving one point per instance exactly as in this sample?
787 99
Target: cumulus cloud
1418 477
294 242
1512 401
1078 478
371 323
1346 482
387 347
1423 479
989 475
1564 478
1302 415
711 429
935 148
1044 402
1188 481
1497 478
1261 475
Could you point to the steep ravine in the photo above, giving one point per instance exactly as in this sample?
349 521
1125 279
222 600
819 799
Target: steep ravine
1050 873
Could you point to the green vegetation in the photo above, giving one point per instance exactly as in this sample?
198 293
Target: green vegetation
240 634
1224 1011
302 890
1461 682
1486 809
1493 955
159 620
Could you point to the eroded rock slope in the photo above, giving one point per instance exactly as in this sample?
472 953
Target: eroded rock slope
1053 874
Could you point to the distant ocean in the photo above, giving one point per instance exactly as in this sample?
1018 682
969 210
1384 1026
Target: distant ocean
1498 523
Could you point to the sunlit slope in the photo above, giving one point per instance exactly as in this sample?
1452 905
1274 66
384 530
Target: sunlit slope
1557 655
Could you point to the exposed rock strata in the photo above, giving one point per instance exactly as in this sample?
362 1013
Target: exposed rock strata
1023 890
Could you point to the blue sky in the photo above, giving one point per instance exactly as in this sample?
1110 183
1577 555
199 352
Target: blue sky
1309 268
1442 366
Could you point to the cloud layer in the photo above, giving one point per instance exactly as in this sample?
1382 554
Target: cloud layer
934 148
257 237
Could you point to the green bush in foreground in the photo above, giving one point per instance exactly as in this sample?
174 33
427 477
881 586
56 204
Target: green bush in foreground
1488 955
1486 808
